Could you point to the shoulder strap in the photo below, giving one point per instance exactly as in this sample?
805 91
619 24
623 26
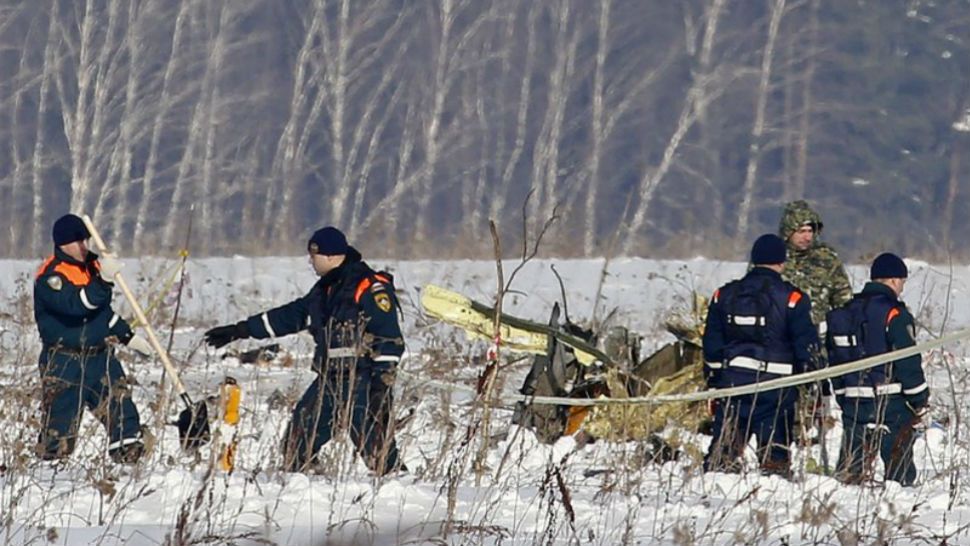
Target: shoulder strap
43 267
369 281
893 313
76 275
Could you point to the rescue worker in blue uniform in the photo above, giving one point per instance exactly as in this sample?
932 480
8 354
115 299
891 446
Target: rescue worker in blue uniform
351 313
881 406
758 328
78 330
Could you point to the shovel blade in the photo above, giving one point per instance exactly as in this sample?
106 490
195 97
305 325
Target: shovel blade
193 424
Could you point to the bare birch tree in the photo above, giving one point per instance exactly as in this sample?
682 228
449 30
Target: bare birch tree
805 120
119 167
163 106
758 129
18 193
188 178
545 166
40 143
500 198
596 119
699 94
407 122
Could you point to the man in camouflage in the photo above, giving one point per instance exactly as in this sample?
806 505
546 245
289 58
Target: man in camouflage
814 268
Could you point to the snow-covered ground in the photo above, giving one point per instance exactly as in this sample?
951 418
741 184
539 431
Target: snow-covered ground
523 493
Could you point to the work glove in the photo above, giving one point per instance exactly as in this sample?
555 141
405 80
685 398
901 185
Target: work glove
223 335
110 266
140 345
711 406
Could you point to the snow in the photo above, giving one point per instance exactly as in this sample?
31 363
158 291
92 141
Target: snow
963 124
615 493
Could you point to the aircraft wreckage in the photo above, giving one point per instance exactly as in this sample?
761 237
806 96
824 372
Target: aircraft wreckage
572 362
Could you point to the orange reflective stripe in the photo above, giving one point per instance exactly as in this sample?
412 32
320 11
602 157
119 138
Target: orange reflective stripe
361 288
893 313
365 284
717 294
76 275
43 266
794 298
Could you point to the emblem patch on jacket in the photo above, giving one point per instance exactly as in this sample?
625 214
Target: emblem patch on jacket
55 282
383 301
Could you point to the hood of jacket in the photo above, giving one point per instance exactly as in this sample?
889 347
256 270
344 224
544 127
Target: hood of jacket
797 214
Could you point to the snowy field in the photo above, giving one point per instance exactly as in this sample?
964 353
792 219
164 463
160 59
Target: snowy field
522 493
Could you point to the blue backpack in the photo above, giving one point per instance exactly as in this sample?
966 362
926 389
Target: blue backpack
856 331
748 308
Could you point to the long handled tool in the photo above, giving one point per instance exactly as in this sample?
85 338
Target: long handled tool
193 421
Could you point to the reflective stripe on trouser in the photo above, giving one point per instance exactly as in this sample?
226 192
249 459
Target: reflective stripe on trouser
352 352
341 352
866 391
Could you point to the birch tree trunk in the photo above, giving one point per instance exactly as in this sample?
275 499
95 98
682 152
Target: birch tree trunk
97 143
805 122
705 60
40 142
18 226
76 122
117 181
368 132
596 119
285 160
490 186
697 99
164 104
500 200
758 129
446 19
188 179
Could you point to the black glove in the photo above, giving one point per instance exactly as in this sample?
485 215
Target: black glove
222 335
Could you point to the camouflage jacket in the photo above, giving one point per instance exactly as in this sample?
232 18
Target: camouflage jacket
817 271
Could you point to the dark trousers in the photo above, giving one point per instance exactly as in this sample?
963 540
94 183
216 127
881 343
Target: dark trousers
890 434
72 381
337 398
735 421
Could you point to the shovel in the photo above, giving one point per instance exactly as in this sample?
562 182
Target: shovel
193 421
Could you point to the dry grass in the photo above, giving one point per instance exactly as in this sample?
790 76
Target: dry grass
529 493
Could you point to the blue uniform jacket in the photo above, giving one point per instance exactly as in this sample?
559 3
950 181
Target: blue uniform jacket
758 328
893 327
72 304
350 312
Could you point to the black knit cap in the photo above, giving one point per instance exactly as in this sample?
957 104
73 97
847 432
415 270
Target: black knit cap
68 229
888 266
768 249
328 241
